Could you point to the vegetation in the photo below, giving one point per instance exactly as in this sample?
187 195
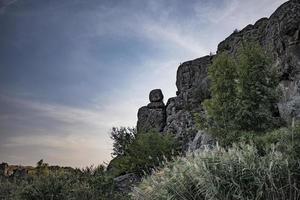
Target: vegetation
239 172
136 153
259 158
147 151
244 95
90 183
122 138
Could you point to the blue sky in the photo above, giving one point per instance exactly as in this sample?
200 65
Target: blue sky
72 69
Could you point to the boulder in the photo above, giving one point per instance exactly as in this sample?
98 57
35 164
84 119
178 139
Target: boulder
156 95
125 182
153 116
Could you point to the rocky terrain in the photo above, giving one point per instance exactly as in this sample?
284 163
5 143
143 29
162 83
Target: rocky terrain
279 35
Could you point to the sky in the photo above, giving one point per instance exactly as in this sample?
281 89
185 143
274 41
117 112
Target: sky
70 70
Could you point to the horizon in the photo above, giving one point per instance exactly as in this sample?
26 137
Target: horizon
71 69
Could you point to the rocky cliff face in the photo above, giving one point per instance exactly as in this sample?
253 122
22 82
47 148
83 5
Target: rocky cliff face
279 35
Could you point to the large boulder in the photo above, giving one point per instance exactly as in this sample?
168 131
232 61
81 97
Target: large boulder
156 95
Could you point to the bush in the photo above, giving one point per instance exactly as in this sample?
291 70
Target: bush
9 189
54 186
90 183
287 140
147 151
122 138
239 173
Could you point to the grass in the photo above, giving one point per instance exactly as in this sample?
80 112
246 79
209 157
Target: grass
237 173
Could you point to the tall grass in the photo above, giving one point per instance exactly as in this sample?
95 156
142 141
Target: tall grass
237 173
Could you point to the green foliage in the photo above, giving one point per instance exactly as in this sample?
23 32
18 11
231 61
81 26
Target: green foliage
89 183
41 168
243 93
122 138
54 186
221 108
146 152
239 172
256 90
287 140
9 188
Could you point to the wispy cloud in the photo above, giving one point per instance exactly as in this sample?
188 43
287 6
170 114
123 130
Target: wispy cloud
73 131
152 39
4 4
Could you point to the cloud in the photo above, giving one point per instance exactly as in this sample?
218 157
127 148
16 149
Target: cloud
173 36
66 130
4 4
63 133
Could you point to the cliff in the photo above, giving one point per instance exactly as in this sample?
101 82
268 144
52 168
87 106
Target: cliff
279 35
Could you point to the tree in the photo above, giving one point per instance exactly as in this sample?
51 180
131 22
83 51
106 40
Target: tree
244 94
256 90
122 137
221 108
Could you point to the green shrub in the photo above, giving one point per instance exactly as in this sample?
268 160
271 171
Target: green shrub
287 140
122 137
146 152
90 183
9 189
237 173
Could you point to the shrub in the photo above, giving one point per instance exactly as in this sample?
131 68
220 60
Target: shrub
287 140
122 137
237 173
9 189
90 183
146 152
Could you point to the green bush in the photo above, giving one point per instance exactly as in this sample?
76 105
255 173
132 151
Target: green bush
90 183
122 137
237 173
9 189
287 140
146 152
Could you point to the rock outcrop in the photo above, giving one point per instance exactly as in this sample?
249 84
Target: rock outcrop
192 88
125 182
279 35
153 116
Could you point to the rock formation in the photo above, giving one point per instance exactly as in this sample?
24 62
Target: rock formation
153 116
279 35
